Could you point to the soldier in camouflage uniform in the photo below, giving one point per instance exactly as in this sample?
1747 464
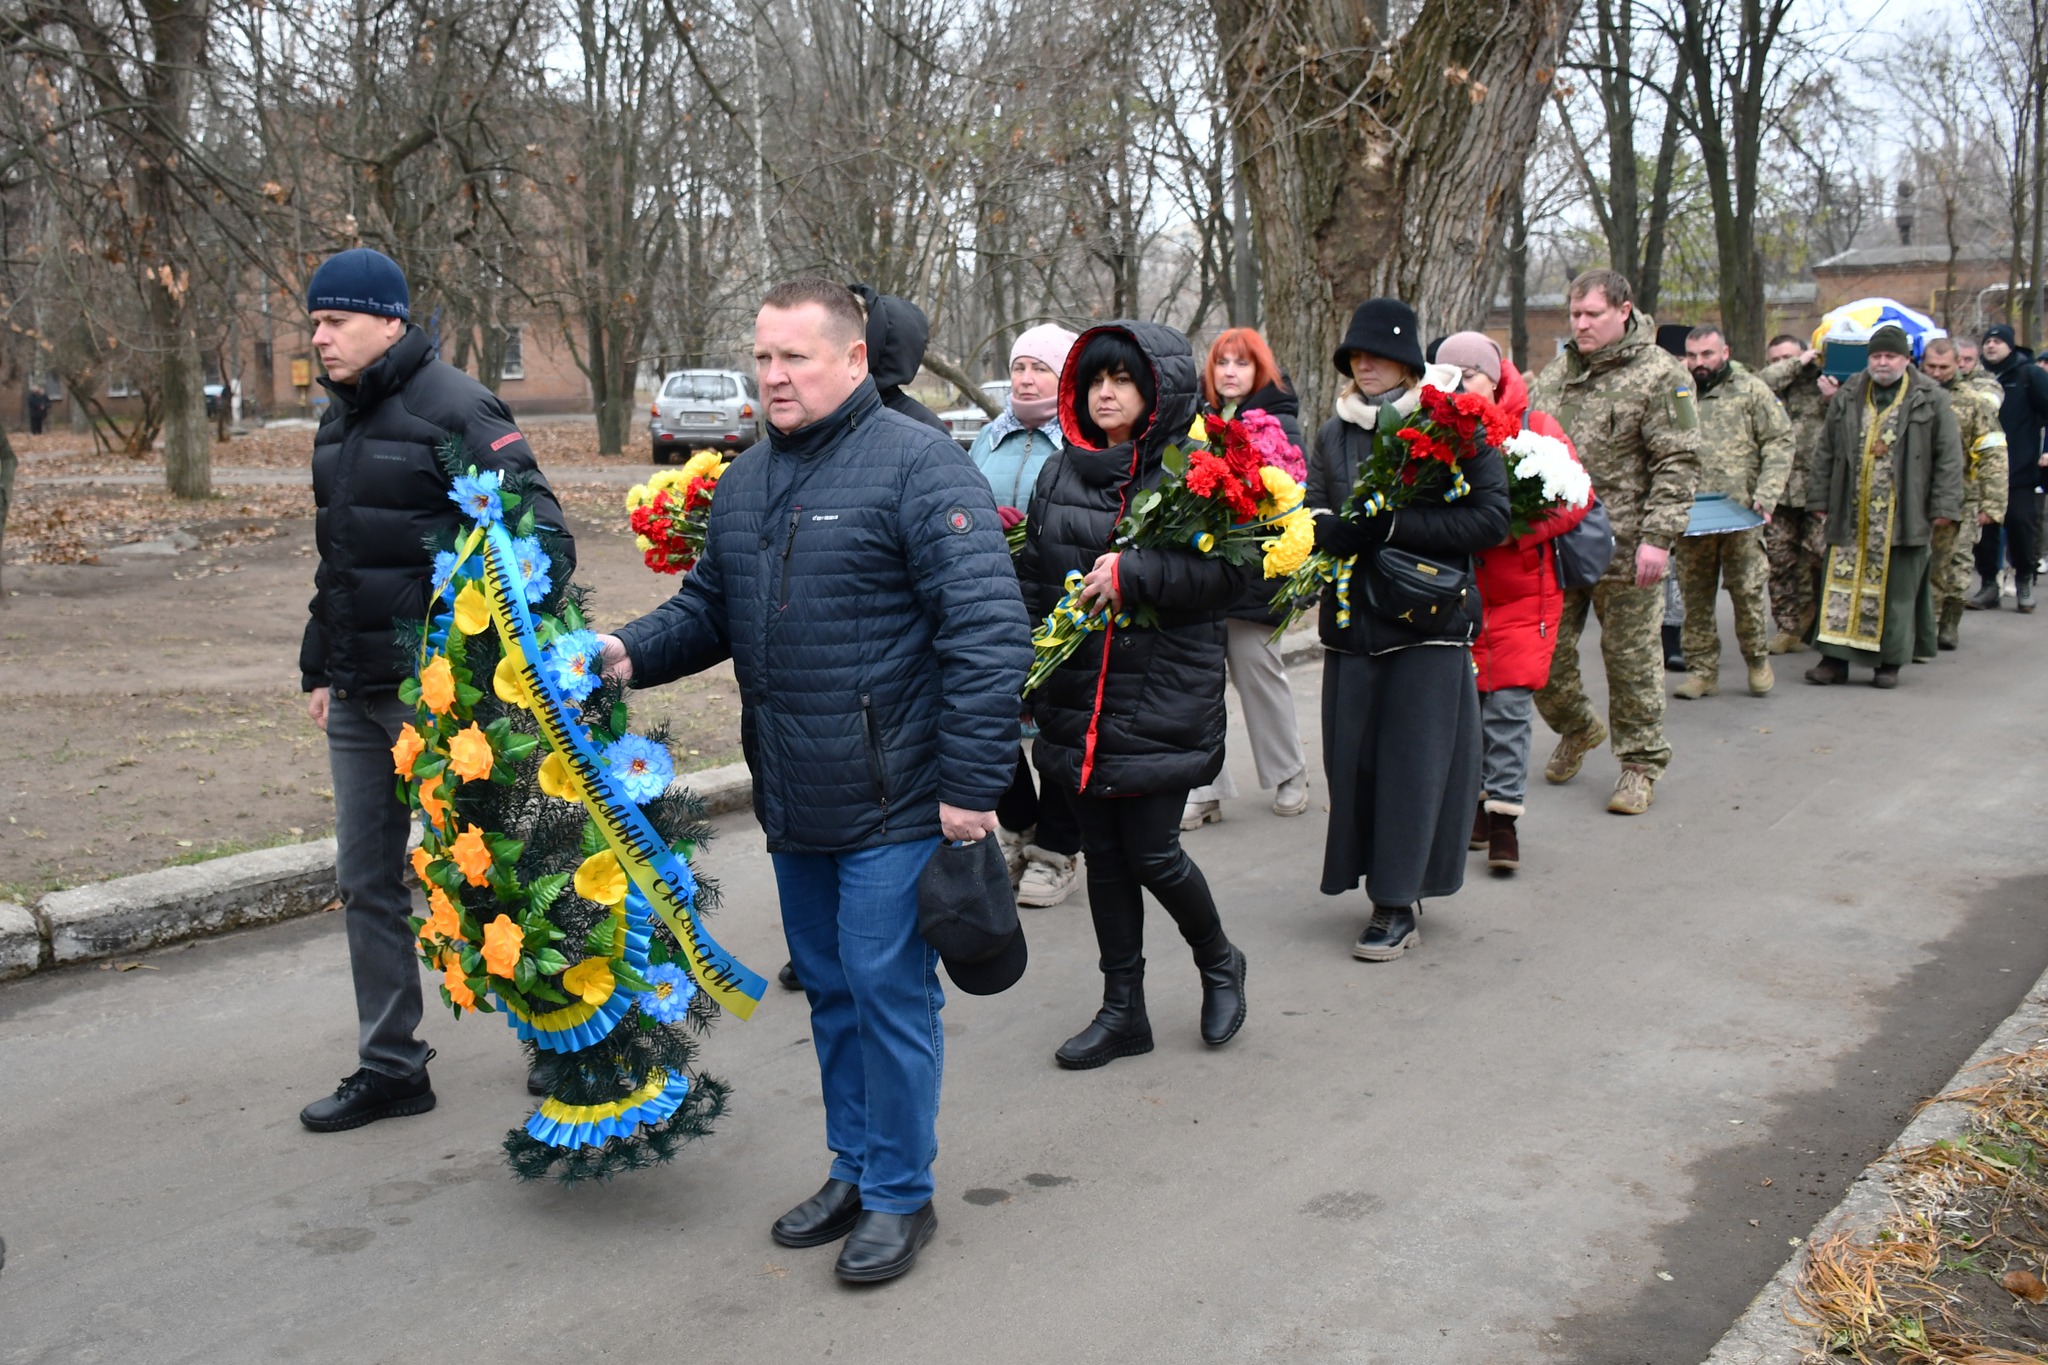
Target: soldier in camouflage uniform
1628 406
1984 484
1795 542
1745 453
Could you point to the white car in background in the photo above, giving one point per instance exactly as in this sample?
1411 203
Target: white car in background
699 409
964 424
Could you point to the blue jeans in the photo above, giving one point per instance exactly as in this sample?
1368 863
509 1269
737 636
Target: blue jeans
873 984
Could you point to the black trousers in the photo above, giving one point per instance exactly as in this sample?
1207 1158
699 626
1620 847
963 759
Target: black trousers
1026 804
2022 533
1133 846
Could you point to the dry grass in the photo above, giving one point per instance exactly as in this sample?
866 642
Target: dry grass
1954 1273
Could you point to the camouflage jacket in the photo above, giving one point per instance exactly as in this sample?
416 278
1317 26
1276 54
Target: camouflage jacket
1745 439
1797 385
1984 463
1629 409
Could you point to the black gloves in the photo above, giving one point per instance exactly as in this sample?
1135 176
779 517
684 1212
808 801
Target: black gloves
1344 538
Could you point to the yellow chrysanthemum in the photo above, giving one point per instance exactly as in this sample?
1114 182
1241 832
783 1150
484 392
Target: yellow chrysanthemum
637 497
1290 549
1281 489
472 610
558 779
590 980
642 544
601 879
506 682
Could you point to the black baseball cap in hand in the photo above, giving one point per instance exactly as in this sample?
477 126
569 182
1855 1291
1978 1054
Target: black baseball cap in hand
967 911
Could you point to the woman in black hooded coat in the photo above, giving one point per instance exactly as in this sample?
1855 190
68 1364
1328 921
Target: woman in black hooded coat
1135 718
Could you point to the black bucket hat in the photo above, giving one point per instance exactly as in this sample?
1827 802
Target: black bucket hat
1386 328
967 911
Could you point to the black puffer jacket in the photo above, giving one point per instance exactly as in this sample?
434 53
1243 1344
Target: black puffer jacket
898 333
1134 710
382 500
856 574
1280 403
2023 414
1448 531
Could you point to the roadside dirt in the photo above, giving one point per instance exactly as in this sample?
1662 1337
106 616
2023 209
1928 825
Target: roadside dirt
152 707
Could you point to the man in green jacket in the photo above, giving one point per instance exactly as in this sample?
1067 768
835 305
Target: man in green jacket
1628 407
1887 472
1794 541
1745 453
1984 485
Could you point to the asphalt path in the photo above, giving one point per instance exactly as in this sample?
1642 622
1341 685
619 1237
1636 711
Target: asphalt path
1661 1050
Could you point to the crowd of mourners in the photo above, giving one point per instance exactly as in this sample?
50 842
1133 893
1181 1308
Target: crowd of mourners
859 572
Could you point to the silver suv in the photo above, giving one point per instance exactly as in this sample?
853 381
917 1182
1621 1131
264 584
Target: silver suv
698 408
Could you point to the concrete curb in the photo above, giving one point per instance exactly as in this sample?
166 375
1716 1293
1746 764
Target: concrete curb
150 909
1764 1335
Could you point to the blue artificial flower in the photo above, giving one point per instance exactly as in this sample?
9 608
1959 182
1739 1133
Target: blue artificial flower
671 996
641 767
572 662
449 576
533 565
477 496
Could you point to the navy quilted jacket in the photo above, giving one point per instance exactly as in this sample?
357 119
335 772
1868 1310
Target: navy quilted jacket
857 576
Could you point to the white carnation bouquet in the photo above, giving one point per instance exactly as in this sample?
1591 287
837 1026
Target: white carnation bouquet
1543 477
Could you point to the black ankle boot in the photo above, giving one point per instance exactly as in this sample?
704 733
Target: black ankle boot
1120 1028
1222 967
1674 652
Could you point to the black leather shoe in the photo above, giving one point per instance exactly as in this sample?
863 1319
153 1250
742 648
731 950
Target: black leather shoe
884 1245
1887 676
1391 933
825 1217
536 1079
1828 672
368 1096
1119 1029
787 976
1222 994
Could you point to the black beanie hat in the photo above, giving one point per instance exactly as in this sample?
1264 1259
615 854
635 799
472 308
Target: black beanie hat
2003 332
1890 339
1386 328
360 281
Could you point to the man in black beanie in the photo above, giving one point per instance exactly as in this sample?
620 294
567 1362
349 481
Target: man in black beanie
383 508
2023 413
1887 471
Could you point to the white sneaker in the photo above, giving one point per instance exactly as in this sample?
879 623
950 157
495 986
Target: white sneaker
1292 798
1196 814
1012 845
1048 877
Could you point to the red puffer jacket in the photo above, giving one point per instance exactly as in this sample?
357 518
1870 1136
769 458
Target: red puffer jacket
1518 581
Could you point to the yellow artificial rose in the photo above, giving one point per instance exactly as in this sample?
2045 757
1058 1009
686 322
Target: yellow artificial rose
473 856
590 980
507 682
421 859
557 778
458 988
502 941
469 754
408 749
433 805
442 922
472 610
437 685
601 879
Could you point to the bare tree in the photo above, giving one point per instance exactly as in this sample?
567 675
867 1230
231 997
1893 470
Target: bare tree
1379 164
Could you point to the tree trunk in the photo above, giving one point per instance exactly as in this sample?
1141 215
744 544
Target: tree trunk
7 463
1650 286
1518 284
178 39
1381 173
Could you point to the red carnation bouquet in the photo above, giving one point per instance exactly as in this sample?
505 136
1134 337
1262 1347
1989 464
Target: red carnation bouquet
1445 430
1227 495
671 512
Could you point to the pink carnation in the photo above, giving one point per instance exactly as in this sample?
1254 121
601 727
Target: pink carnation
1269 439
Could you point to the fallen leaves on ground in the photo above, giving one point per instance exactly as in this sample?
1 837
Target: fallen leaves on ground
74 523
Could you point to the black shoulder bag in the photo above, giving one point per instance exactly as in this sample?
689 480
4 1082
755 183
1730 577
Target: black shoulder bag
1425 594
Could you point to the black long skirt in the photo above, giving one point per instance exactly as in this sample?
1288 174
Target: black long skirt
1401 749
